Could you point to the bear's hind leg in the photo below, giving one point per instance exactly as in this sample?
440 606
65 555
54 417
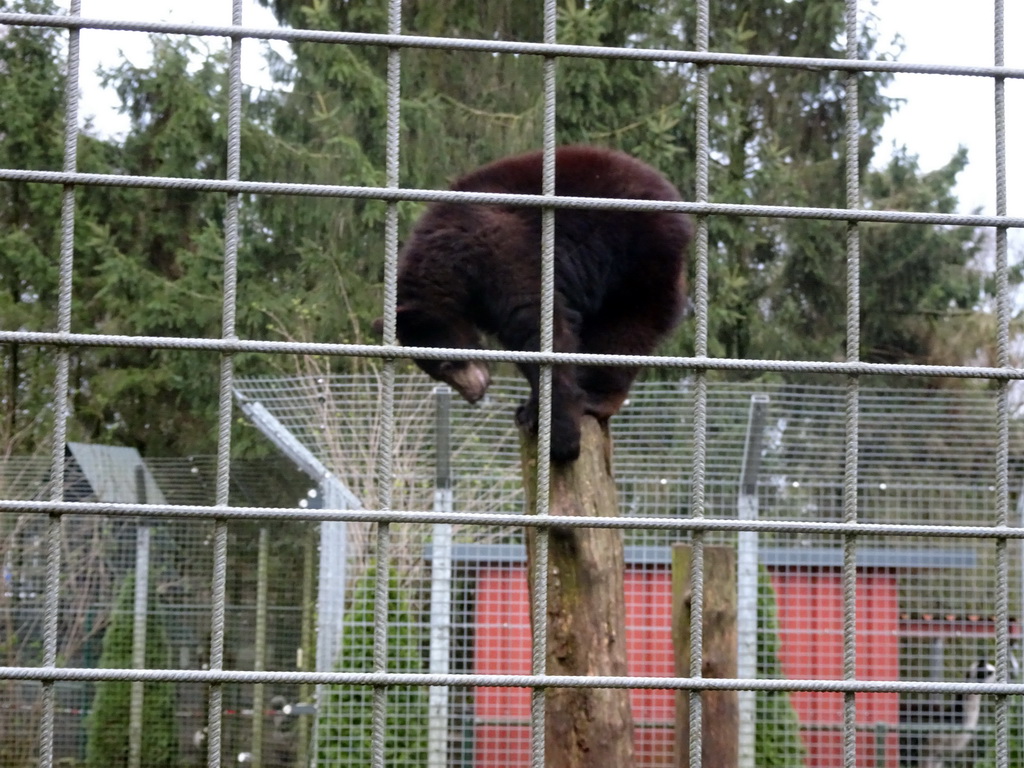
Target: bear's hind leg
605 389
566 397
566 410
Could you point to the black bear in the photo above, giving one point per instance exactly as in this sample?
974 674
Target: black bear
468 270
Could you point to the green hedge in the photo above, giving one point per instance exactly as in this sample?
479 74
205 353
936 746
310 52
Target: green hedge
346 712
107 723
778 740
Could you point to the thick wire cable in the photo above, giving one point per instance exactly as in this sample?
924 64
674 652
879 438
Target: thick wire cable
852 436
215 711
506 46
51 607
471 516
378 738
248 677
387 194
700 397
65 340
539 651
507 681
1003 314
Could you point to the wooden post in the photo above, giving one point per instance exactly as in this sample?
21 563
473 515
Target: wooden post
584 727
720 721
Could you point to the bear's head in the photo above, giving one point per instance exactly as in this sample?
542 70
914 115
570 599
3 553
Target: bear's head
422 327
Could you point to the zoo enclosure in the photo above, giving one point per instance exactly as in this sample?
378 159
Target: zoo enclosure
925 605
700 521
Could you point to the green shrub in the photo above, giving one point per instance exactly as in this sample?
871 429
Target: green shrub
344 726
778 740
107 724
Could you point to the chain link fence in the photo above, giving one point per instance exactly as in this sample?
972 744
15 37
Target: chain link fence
927 607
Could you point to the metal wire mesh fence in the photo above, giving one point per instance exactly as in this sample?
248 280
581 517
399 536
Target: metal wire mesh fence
926 605
889 562
100 556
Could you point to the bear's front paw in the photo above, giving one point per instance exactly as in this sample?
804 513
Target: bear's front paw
565 431
565 448
526 415
565 438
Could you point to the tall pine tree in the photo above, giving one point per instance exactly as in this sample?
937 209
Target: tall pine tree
150 261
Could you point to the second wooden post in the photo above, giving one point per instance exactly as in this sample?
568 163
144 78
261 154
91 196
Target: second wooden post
720 710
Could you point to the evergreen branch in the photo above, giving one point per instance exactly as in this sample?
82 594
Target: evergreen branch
634 125
506 116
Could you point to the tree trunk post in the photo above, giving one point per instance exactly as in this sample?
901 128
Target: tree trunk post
720 709
584 727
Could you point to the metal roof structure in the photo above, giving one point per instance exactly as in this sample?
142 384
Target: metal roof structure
174 480
111 473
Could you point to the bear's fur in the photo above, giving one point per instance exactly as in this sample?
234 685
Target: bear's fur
468 270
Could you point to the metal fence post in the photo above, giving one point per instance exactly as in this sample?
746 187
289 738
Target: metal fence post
259 658
137 701
440 585
747 578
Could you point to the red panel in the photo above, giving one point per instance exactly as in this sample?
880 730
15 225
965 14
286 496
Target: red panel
655 746
502 738
502 643
649 641
810 610
503 647
501 746
649 654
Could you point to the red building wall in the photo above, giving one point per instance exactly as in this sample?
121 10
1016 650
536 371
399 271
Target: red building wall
810 612
810 625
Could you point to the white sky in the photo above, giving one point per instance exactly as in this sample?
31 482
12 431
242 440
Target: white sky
940 114
105 48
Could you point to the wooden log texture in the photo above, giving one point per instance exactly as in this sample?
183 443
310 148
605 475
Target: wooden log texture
586 608
720 709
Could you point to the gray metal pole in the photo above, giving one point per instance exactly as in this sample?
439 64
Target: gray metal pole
333 576
747 579
259 660
137 700
440 586
305 655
